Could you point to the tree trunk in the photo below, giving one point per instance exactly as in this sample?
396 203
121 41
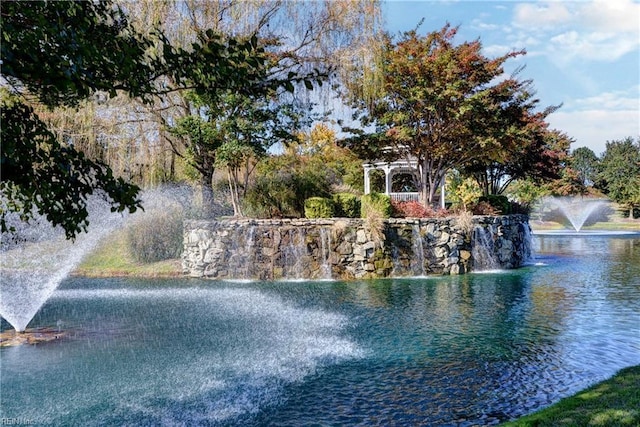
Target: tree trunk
204 196
431 179
423 184
232 176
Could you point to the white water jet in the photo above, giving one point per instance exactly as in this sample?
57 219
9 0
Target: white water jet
31 270
576 210
37 258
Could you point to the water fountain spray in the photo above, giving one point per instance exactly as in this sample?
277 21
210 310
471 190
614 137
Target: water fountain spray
37 257
576 210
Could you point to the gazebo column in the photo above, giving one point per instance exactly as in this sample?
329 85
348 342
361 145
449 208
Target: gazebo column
367 181
387 179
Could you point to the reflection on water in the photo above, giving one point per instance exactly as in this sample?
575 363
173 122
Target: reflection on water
468 350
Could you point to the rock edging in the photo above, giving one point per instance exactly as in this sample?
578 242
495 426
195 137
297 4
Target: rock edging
345 248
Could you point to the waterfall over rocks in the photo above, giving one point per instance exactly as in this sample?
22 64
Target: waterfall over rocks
483 249
341 248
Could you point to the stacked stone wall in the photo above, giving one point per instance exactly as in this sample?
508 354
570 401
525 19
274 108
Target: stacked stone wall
352 248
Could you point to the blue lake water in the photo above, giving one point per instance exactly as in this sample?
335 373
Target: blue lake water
466 350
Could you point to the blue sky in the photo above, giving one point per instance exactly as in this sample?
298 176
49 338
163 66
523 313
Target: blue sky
582 54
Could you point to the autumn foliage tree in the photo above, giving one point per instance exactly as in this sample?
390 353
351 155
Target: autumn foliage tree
442 107
532 152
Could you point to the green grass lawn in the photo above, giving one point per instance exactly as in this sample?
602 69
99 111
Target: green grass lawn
619 225
112 258
613 402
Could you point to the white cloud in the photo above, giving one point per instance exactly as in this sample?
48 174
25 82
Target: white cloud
612 15
615 100
536 16
595 46
595 15
496 50
597 30
593 128
594 120
480 25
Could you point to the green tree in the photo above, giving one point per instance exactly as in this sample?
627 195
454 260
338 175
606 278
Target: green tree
60 53
440 106
320 148
526 192
586 163
283 183
620 173
228 126
297 37
463 192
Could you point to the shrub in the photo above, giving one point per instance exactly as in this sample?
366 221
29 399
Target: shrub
318 207
416 210
374 223
156 236
484 208
281 192
464 193
375 202
346 205
498 201
410 209
464 220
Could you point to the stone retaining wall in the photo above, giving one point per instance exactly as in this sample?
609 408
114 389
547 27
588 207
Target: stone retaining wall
352 248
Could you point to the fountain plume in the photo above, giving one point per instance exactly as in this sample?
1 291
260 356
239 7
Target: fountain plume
577 210
37 257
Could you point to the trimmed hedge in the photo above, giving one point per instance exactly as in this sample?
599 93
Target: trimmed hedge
346 205
378 202
318 207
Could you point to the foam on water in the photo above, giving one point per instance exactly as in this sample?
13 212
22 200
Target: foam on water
250 345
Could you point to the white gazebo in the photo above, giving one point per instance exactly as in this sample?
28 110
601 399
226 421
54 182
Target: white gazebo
390 170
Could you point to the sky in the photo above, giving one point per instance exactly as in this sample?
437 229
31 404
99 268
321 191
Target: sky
583 54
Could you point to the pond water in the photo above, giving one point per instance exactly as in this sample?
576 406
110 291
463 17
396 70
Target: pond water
467 350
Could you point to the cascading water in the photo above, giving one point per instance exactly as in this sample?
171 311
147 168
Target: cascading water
293 253
527 238
325 248
33 268
243 252
418 251
482 250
